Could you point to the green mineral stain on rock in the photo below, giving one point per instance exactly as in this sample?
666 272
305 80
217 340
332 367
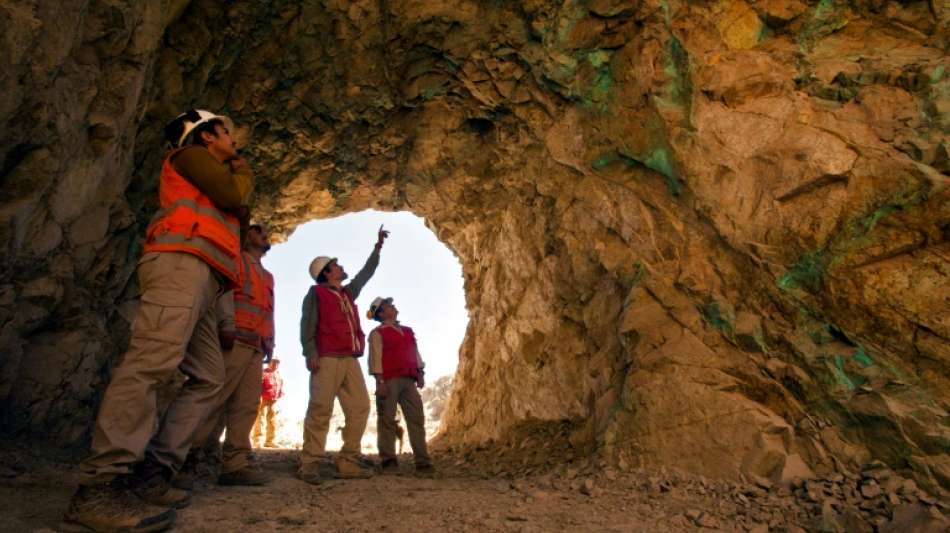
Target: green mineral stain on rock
808 272
937 74
658 160
862 357
597 93
639 273
824 8
713 314
837 370
867 223
679 89
825 20
604 161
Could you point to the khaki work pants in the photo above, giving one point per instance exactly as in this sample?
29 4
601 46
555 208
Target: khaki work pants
338 377
175 328
265 417
237 405
402 392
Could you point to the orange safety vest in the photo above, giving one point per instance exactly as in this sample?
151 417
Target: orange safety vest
254 302
189 221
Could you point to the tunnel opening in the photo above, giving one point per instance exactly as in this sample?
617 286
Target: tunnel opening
418 271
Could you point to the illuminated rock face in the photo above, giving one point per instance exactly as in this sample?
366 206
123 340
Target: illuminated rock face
707 237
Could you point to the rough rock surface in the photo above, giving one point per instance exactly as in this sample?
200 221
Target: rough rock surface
711 235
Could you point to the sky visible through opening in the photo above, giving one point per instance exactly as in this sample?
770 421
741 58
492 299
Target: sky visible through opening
422 275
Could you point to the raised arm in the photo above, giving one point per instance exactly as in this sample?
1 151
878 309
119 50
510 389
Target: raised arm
355 287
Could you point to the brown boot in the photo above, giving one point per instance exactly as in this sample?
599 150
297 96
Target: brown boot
389 466
246 476
152 483
113 507
351 469
309 474
425 469
185 478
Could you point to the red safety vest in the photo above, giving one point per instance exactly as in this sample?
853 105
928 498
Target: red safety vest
254 302
189 221
338 330
399 352
271 385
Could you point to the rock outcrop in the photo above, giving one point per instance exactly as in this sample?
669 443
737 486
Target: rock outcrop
705 235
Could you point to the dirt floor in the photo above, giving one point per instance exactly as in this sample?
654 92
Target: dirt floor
462 496
455 499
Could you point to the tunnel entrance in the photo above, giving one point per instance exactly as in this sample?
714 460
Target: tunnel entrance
418 271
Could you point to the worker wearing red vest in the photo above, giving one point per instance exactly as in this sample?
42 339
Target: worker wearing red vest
272 389
191 252
395 362
251 340
332 341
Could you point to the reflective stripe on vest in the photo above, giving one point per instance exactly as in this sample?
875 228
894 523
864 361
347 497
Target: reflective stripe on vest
254 300
190 222
206 211
248 337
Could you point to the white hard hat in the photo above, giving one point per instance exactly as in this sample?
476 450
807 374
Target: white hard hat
179 129
373 307
318 264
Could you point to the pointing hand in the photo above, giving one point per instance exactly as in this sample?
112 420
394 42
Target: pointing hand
382 235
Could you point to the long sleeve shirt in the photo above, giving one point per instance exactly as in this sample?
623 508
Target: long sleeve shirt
310 313
376 351
229 189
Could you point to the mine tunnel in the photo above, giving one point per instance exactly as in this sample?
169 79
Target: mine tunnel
704 246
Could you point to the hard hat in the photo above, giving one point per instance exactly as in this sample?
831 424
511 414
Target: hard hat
373 307
179 129
318 264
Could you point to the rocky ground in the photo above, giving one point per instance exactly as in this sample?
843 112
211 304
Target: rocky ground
469 494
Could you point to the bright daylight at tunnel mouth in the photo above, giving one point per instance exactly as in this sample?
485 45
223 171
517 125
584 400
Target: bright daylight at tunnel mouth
698 253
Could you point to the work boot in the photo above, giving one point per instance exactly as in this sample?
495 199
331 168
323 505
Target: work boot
309 473
152 483
389 466
270 444
366 462
113 507
351 469
246 476
185 478
425 469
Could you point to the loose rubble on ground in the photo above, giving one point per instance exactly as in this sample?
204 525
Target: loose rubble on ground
475 490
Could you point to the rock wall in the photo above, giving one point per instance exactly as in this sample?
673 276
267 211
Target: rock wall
713 236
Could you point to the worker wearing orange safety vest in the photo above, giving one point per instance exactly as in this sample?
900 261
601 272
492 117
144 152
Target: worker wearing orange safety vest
248 340
192 249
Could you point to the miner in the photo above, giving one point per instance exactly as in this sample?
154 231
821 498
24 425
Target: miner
191 254
272 390
252 305
395 362
332 341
